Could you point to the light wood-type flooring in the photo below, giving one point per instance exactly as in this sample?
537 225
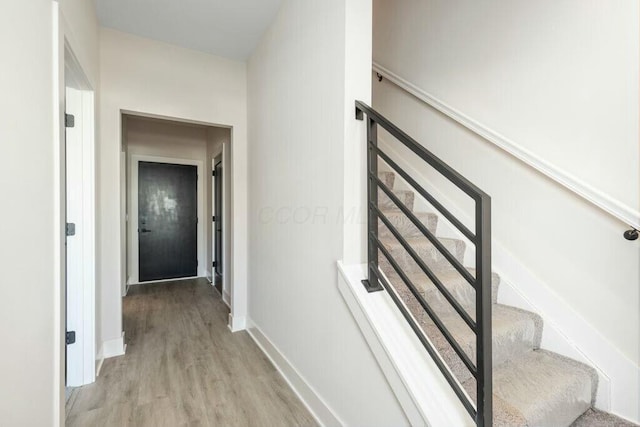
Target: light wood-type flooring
183 367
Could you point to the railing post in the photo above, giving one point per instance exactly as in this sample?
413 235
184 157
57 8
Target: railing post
484 353
373 282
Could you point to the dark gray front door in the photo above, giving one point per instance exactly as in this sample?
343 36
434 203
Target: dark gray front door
167 221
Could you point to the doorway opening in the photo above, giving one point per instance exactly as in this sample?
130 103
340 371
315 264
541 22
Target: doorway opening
170 200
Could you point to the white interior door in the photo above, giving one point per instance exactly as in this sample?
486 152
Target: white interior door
80 245
73 160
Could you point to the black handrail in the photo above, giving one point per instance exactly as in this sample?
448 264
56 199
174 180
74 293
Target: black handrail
481 237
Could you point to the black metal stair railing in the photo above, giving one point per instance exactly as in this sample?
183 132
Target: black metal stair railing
481 367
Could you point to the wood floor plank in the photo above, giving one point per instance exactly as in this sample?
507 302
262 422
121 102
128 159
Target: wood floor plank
184 367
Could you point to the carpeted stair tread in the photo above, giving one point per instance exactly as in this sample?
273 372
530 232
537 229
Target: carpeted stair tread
515 332
457 286
593 418
425 250
404 225
548 390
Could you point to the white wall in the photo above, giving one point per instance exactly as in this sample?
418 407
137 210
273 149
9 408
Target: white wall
32 372
561 79
81 31
27 218
558 78
298 110
144 76
357 86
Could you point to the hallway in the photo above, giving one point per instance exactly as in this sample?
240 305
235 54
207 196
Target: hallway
184 367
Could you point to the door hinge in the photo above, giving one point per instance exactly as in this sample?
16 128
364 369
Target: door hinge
69 120
70 337
70 229
213 264
213 173
214 218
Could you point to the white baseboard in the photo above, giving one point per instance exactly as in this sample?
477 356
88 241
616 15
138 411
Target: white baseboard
99 363
226 298
134 283
314 403
237 323
114 347
565 331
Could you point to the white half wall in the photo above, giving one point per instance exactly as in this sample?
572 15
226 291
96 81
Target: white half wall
146 77
299 106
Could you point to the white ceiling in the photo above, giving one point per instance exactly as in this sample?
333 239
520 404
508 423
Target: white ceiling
229 28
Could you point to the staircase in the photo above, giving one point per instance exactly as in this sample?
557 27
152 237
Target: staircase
424 274
531 386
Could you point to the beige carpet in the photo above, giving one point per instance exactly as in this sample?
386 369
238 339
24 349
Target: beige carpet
593 418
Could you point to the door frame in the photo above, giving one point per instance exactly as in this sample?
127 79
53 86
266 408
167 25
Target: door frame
235 283
214 199
80 298
132 250
227 224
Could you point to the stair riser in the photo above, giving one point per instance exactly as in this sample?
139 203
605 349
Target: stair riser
388 178
406 197
462 291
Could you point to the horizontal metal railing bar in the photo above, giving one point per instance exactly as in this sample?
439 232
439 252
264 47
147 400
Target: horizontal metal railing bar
428 234
447 171
435 356
424 193
430 274
425 305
